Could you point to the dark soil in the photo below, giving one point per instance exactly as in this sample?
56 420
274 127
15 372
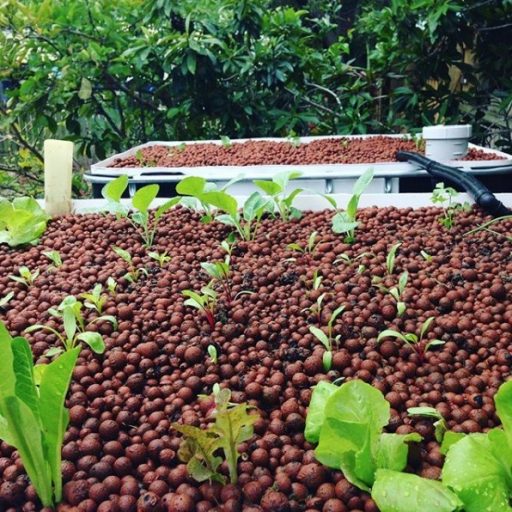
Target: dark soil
120 452
257 152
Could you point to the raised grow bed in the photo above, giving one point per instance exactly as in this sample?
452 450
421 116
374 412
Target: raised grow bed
260 339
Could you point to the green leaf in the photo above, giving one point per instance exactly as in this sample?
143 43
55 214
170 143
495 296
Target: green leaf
474 472
52 391
143 198
191 186
362 182
316 412
392 451
113 190
221 200
94 340
402 492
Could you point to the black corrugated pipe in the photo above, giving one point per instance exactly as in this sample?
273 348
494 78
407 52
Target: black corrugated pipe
478 191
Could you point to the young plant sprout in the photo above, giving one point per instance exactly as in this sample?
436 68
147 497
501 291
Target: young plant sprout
225 141
200 448
308 250
327 340
141 202
212 352
134 273
390 258
205 302
346 222
397 291
54 257
75 327
440 425
161 258
25 277
419 344
6 299
219 271
276 190
111 285
446 197
95 299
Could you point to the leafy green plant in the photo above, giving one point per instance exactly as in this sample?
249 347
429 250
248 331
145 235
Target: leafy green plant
440 425
25 276
69 311
347 424
233 425
33 418
205 302
419 344
212 352
140 202
446 196
54 257
95 299
6 299
327 340
308 250
22 221
161 258
276 190
346 222
134 273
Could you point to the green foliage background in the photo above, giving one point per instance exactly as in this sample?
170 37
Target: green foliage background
108 75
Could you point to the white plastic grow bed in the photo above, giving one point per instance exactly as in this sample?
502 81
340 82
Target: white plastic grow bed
325 178
315 202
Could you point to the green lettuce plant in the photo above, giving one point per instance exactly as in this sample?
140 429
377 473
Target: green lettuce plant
282 200
33 418
69 311
22 221
346 222
201 448
141 201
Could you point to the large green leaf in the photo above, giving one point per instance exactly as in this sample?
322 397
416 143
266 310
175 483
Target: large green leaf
52 393
474 472
316 411
402 492
143 198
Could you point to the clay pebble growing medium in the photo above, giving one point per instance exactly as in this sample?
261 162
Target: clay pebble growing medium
120 453
258 152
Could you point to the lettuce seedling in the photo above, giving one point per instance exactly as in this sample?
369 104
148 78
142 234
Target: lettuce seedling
25 277
418 343
141 202
308 250
134 273
347 423
54 257
446 196
440 425
346 222
327 340
22 221
6 299
206 302
161 258
69 311
276 190
33 418
95 299
233 426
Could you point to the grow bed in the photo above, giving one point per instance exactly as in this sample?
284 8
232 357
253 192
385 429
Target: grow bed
120 450
327 164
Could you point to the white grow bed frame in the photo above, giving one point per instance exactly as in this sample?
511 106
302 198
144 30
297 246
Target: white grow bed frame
324 178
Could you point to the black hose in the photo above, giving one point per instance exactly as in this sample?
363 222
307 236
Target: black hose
478 191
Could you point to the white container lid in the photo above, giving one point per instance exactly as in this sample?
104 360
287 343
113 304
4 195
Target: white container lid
454 131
